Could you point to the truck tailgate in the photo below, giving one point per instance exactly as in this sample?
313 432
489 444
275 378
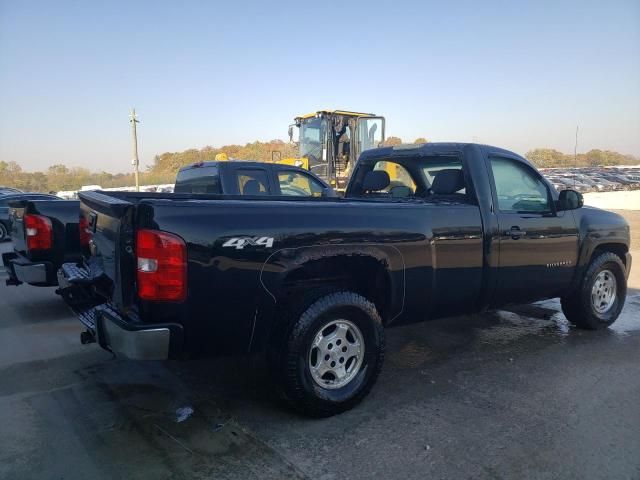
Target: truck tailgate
16 215
63 215
109 224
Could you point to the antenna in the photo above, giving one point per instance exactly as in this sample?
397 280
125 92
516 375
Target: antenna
575 158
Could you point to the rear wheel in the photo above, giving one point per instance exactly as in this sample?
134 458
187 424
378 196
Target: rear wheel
4 235
332 354
599 299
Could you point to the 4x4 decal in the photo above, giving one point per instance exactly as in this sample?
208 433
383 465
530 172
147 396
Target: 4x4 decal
240 242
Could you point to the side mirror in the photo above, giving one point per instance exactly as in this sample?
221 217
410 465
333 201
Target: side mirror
328 192
570 200
290 133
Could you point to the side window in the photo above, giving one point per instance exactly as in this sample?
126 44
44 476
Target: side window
518 188
298 184
370 132
398 175
253 182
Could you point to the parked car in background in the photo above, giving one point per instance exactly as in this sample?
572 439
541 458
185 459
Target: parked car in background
9 191
592 184
250 178
90 188
68 194
595 179
5 225
58 234
564 182
607 186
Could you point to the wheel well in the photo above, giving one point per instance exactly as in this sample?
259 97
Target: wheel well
619 249
362 274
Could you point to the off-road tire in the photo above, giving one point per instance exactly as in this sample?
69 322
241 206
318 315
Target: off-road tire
289 352
577 306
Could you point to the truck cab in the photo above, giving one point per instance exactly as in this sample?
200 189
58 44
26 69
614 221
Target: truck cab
249 178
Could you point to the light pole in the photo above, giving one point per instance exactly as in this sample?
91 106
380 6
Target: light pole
134 138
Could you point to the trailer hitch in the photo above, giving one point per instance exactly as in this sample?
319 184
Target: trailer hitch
87 337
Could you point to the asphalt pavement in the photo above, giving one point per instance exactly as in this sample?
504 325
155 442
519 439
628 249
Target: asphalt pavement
516 393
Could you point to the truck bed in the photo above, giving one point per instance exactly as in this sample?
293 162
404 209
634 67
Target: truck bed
232 274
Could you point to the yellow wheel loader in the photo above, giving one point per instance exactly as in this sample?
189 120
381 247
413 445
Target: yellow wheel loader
330 141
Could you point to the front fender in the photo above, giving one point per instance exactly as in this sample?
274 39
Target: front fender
599 229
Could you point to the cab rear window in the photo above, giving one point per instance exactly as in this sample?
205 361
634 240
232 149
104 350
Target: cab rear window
204 179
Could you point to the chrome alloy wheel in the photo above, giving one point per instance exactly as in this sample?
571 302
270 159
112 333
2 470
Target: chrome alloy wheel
603 292
336 354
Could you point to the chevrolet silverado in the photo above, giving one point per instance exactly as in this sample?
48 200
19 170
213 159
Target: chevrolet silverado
424 231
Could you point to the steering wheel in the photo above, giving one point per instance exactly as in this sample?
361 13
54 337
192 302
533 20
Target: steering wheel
294 191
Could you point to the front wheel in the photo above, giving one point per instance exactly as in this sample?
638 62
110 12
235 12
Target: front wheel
599 299
4 235
332 355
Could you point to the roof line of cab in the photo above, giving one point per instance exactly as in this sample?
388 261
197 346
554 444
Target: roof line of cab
433 148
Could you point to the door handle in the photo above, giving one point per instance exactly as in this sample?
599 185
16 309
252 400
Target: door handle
515 232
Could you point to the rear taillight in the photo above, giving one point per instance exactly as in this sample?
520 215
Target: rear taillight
85 234
162 266
38 231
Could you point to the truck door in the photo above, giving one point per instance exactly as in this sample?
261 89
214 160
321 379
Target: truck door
538 247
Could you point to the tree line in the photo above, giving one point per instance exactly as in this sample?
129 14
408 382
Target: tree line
164 167
547 158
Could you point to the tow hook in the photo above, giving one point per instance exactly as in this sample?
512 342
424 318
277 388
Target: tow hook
87 337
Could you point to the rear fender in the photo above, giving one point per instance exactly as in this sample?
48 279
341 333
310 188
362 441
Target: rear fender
282 263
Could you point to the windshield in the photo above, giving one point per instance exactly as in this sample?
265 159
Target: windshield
312 134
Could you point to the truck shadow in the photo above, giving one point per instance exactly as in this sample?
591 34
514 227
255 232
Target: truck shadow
242 386
41 307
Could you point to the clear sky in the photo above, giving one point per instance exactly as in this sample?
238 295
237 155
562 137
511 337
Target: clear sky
516 74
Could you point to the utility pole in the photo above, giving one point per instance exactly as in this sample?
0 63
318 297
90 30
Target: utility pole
575 149
575 158
134 139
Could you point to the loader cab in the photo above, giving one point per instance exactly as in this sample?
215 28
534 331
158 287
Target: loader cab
329 142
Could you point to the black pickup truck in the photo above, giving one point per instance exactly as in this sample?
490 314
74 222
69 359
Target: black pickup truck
55 237
425 231
45 235
6 197
240 177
